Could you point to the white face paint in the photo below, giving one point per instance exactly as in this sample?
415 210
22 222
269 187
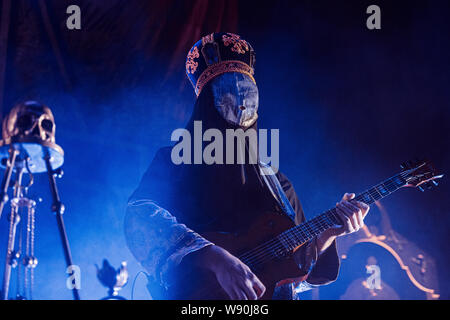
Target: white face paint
236 98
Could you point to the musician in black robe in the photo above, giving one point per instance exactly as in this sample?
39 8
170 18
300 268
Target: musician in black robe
175 203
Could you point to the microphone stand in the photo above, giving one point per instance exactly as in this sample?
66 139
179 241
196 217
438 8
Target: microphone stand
58 209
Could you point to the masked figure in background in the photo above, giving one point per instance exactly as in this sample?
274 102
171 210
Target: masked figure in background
175 205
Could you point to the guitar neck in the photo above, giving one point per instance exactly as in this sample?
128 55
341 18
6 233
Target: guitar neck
302 233
419 174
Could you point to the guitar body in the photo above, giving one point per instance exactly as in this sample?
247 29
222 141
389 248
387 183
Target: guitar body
203 285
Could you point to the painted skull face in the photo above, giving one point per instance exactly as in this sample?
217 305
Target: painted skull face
236 98
29 120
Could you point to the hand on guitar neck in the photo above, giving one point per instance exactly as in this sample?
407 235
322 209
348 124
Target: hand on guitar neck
236 278
351 213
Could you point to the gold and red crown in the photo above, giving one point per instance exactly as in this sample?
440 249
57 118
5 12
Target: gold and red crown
216 54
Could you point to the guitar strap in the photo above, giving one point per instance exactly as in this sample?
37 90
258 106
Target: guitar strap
277 191
286 291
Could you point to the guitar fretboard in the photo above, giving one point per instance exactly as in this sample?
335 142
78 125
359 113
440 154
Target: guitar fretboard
292 238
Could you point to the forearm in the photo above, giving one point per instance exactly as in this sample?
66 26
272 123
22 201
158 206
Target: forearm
325 239
157 240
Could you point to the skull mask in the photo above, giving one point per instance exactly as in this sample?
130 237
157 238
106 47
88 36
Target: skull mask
236 98
29 121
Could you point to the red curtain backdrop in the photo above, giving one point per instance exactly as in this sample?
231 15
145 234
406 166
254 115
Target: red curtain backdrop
35 43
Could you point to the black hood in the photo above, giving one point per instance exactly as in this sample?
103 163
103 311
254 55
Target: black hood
216 197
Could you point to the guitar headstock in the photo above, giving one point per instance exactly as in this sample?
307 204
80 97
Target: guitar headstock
420 174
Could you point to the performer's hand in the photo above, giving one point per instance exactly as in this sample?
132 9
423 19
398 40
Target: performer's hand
351 213
236 279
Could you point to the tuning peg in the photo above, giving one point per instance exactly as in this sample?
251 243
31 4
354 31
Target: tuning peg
435 182
421 188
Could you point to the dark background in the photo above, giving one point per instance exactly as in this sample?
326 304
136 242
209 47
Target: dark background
351 105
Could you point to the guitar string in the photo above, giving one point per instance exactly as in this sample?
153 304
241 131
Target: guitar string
304 233
388 182
314 228
385 183
318 224
257 259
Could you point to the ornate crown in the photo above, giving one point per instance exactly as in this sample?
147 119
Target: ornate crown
218 53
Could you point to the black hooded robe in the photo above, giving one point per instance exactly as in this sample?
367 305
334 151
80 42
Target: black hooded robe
174 203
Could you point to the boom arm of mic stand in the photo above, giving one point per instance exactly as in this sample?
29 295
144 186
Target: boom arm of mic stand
58 209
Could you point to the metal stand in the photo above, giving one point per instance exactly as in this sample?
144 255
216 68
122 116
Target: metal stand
58 209
18 160
29 144
14 221
7 178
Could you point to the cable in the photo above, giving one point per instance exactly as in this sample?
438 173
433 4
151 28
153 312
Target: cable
134 282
